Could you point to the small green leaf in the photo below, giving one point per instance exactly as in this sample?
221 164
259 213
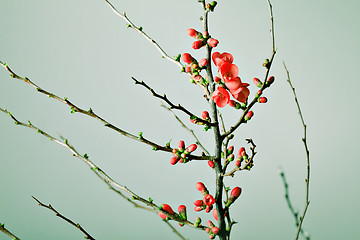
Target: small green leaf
154 148
168 143
140 135
150 200
95 168
12 75
5 64
140 28
128 25
90 111
86 156
177 58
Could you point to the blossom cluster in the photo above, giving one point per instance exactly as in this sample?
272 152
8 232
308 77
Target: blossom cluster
181 153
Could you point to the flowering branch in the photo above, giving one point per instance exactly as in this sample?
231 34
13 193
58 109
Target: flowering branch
77 225
307 180
188 129
173 106
267 64
7 232
92 114
151 206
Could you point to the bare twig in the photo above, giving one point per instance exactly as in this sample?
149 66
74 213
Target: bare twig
291 208
7 232
140 30
307 180
91 113
77 225
100 173
188 129
173 106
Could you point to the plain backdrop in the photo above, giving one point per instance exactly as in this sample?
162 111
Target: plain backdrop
83 51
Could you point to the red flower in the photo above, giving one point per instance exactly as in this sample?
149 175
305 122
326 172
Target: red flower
234 84
228 71
219 59
221 97
242 93
209 200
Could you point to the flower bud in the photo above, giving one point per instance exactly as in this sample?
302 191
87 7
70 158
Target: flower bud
207 230
208 208
215 214
270 80
211 236
234 104
199 203
238 163
205 115
181 145
215 230
249 115
198 208
230 150
191 148
211 164
167 209
212 42
182 212
197 44
188 69
197 221
230 158
192 32
200 186
242 151
187 58
210 224
203 62
262 100
217 79
257 82
236 192
174 160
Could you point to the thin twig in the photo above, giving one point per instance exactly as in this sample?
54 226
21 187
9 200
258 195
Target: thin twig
151 205
307 180
140 30
173 106
7 232
77 225
91 113
188 129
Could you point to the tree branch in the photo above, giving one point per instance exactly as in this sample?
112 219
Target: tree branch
7 232
77 225
307 180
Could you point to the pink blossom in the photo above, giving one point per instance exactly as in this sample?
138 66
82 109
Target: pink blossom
242 93
228 71
220 59
234 84
209 200
221 97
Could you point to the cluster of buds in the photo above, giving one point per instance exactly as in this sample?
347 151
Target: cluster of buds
166 208
201 39
235 193
181 154
207 202
194 67
205 116
242 156
212 230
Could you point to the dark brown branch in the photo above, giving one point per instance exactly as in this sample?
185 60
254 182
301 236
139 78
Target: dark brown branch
77 225
7 232
173 106
307 180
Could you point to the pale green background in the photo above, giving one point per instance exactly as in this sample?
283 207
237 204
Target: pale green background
81 50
